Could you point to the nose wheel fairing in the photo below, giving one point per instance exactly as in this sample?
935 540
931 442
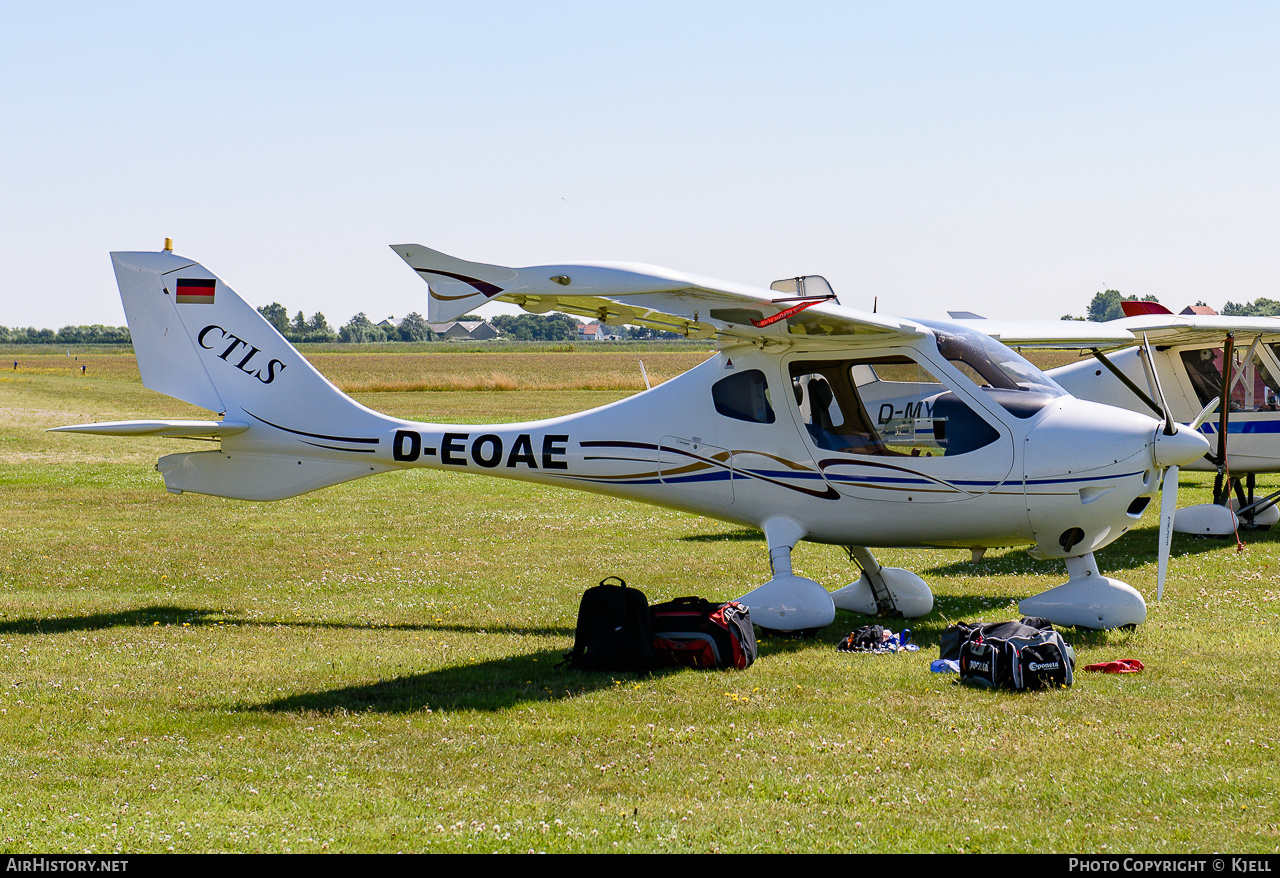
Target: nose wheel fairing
1088 599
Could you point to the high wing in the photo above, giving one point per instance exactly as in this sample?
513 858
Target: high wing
1159 327
1057 334
646 295
1178 329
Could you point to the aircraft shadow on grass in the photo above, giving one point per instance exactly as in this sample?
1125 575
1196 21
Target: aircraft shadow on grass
743 535
147 617
142 617
1137 550
500 683
496 684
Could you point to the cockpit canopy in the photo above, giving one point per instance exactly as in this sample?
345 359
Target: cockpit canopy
1004 375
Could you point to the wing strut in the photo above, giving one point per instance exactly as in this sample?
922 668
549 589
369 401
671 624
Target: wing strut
1127 382
1228 360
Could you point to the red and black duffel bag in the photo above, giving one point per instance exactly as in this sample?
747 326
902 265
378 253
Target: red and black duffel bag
695 633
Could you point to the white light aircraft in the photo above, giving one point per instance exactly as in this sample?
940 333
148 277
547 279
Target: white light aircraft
774 431
1179 358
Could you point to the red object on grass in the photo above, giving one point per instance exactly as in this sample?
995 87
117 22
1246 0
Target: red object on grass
1123 666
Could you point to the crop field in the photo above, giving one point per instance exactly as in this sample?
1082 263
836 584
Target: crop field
374 667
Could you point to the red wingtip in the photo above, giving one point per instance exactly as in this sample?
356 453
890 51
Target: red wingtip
1133 309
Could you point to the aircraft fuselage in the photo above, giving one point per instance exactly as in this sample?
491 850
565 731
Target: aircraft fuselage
682 444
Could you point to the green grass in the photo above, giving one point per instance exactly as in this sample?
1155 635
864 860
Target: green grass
374 668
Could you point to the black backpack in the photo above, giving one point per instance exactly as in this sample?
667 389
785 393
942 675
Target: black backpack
613 632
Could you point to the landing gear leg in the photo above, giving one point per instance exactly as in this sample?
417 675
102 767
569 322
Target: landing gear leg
787 602
883 591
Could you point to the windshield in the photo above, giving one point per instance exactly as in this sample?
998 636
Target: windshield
1006 376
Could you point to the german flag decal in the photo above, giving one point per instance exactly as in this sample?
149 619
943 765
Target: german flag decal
195 291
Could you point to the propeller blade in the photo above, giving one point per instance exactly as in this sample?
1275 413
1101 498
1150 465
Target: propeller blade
1168 505
1205 412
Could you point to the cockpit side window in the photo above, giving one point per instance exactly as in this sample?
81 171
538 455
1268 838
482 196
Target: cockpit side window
1204 369
1253 389
888 405
744 397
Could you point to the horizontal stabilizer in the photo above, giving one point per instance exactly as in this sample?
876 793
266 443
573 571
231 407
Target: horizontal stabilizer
167 429
256 476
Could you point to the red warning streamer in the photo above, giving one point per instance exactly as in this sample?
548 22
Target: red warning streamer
784 314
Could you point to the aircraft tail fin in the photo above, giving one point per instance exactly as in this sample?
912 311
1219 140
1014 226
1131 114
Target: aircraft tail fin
285 429
455 285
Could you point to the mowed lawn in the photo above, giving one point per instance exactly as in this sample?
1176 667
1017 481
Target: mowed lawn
374 667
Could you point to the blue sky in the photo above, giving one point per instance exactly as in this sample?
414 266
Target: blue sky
1006 158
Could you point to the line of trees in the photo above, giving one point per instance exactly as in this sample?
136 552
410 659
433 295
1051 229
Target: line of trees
562 327
1106 306
1256 308
525 327
299 328
96 334
537 327
358 329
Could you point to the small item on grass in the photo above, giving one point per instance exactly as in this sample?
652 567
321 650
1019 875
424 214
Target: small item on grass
877 639
1121 666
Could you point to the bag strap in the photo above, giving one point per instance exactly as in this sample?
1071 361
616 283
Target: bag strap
618 579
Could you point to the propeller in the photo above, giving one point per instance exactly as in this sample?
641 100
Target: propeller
1169 500
1174 448
1204 413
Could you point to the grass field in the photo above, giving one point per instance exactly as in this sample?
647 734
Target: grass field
374 667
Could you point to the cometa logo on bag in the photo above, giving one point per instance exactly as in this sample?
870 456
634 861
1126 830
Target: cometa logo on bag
1043 666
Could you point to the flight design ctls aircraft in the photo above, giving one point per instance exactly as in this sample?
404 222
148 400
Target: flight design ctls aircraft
790 427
